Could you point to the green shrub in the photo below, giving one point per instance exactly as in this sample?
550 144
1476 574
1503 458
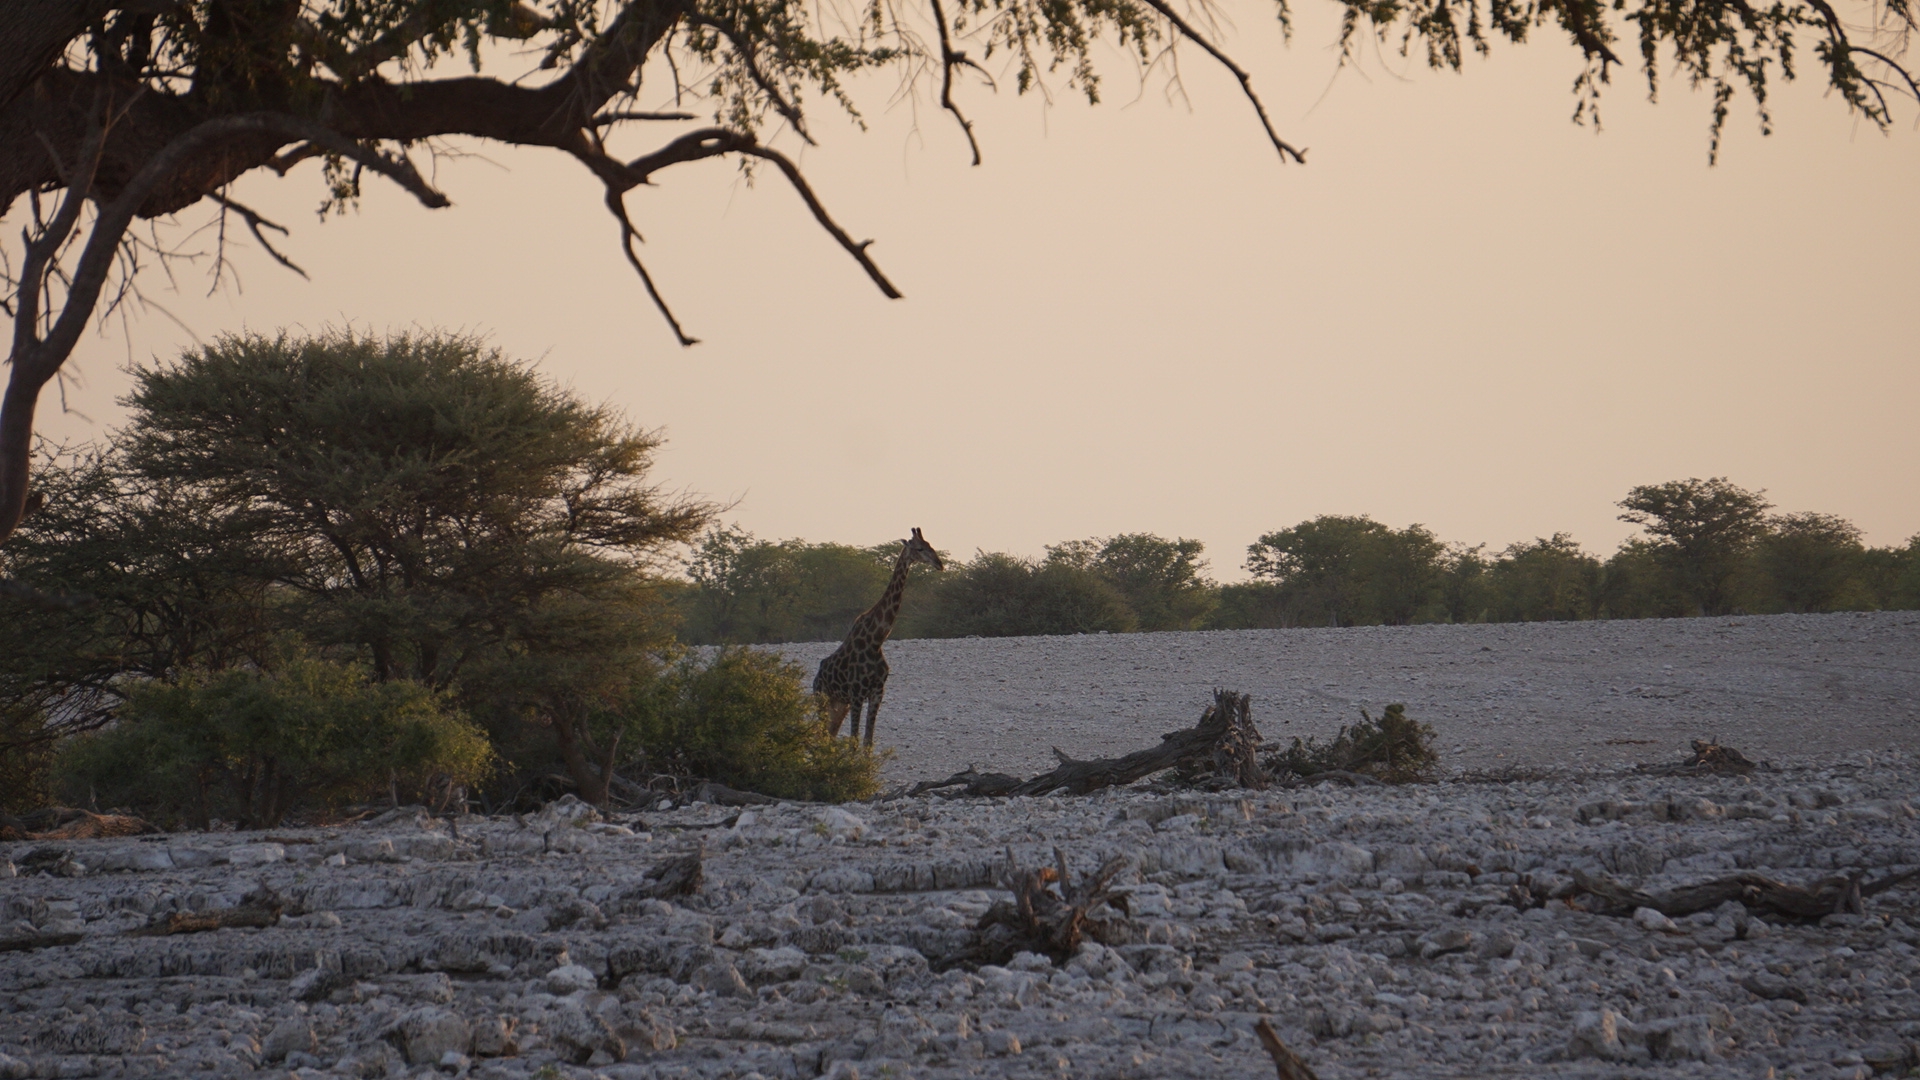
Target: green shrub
252 746
746 719
1392 748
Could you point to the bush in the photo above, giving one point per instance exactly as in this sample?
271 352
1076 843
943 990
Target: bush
1392 748
252 746
746 719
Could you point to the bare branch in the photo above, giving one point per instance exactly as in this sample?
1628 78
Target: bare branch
255 222
949 59
693 146
1913 87
857 250
697 146
42 251
630 236
607 118
397 168
1246 81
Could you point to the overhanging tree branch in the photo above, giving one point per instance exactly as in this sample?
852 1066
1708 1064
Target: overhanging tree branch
1187 31
950 59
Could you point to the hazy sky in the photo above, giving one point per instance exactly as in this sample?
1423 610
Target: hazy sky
1464 311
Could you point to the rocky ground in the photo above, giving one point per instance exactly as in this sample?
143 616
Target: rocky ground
1371 926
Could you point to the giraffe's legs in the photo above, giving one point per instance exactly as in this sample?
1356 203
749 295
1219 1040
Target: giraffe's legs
836 714
873 714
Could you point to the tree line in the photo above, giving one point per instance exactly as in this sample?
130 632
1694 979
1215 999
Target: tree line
1706 547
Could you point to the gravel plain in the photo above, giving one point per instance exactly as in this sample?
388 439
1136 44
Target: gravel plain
1807 687
1374 928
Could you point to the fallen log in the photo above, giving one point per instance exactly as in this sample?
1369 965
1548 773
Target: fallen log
1225 729
1837 894
973 784
1049 914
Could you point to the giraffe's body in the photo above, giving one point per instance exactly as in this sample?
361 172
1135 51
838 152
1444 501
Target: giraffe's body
855 674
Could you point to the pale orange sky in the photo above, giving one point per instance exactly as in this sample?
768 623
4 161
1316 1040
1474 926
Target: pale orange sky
1464 311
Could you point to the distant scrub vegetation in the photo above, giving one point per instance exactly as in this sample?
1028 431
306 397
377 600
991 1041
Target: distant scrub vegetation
1708 547
319 571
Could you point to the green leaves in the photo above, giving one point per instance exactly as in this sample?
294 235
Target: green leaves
250 746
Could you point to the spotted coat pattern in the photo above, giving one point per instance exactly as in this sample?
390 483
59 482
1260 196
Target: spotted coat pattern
855 674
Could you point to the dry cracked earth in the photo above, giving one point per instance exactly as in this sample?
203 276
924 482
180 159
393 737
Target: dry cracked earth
1373 927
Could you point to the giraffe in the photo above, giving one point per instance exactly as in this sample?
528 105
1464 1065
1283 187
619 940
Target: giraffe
856 672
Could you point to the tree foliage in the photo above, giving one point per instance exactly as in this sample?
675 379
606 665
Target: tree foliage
1699 531
249 746
418 505
1000 595
1548 579
1340 571
114 112
1163 581
1330 570
750 591
743 717
1812 562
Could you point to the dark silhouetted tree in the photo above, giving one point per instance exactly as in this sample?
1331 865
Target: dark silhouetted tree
1545 580
1812 562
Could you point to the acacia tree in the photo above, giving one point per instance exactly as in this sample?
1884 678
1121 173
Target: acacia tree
1699 531
432 509
114 112
1164 581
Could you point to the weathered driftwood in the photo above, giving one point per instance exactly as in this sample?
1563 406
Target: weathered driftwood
1049 913
1236 754
1709 758
1226 723
1287 1063
1837 894
67 823
973 784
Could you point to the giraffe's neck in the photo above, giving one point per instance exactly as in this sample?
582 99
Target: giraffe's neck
876 625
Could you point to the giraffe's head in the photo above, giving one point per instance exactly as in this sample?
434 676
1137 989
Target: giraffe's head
919 551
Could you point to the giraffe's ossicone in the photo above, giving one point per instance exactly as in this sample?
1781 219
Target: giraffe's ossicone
855 674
